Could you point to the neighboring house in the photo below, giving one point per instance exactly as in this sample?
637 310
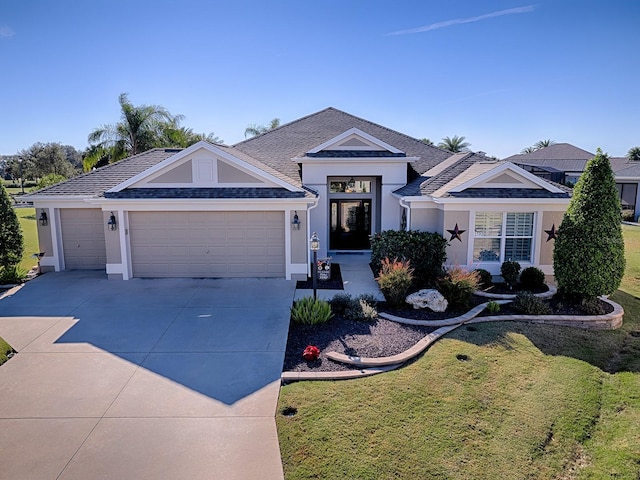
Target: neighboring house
564 163
249 209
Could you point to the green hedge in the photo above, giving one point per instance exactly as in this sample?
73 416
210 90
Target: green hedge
425 251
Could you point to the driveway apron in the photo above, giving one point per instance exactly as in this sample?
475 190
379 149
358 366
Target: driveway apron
146 378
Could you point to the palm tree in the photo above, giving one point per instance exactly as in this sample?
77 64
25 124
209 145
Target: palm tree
176 136
454 144
529 149
426 141
543 144
634 154
139 129
255 129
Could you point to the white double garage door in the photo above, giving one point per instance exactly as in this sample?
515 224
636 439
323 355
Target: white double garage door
183 244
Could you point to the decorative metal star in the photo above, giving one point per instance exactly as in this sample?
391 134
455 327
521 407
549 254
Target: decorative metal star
456 232
553 233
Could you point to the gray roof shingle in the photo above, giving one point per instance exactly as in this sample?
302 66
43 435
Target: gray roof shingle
277 147
96 182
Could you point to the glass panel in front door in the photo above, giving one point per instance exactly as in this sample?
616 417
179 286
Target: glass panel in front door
350 224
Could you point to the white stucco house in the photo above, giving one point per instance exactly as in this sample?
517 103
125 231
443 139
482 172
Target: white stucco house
249 209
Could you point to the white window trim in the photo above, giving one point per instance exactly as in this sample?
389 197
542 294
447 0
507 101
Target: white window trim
535 250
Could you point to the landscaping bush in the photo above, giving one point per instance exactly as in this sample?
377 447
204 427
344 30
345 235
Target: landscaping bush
340 302
12 274
308 311
458 286
425 251
394 280
486 279
510 271
628 215
362 308
532 278
592 306
11 241
493 307
529 304
588 256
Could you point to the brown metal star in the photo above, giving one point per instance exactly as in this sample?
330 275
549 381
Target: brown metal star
552 234
456 232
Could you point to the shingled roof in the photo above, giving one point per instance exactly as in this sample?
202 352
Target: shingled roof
277 147
464 168
96 182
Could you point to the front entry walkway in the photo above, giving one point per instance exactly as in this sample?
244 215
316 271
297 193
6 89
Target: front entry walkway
145 379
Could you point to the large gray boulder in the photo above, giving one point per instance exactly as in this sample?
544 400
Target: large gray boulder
429 298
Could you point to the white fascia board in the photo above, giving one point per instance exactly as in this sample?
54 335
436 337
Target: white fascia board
64 202
169 204
343 160
499 201
633 179
494 172
360 133
211 149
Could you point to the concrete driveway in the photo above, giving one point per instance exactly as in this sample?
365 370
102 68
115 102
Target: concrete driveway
146 379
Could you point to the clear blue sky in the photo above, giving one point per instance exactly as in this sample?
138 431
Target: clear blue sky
505 74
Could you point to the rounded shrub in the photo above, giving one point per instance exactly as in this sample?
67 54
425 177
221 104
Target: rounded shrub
510 271
458 286
529 304
486 279
532 278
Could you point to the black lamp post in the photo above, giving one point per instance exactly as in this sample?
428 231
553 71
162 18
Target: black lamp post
314 245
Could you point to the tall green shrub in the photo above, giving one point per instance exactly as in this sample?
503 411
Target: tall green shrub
588 258
425 251
11 242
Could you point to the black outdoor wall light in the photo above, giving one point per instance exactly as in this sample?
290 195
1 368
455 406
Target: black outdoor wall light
112 223
295 225
43 219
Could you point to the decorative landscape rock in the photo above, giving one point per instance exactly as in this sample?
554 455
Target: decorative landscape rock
428 298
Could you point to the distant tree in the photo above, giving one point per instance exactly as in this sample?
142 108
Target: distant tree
529 150
454 144
139 129
11 241
634 154
41 159
426 141
543 144
48 180
255 129
588 258
176 136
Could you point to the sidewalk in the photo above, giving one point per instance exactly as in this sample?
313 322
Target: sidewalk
356 277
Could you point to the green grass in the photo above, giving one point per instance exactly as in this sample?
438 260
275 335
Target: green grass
5 349
27 218
532 402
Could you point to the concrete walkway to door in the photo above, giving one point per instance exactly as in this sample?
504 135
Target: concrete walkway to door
145 379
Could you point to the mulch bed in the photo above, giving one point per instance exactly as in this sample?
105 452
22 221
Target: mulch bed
503 288
334 283
380 337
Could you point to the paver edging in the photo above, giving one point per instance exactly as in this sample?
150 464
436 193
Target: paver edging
288 377
510 296
607 321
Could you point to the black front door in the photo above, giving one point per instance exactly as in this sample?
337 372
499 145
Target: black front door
350 224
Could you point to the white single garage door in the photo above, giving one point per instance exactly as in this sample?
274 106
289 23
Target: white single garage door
83 239
207 244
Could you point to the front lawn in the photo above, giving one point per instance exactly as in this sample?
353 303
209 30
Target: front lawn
490 401
5 349
27 218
